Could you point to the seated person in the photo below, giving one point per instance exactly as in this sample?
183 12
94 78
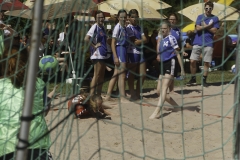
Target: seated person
149 51
188 44
221 45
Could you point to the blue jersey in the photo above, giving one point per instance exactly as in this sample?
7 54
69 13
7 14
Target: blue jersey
134 31
98 35
175 32
167 48
205 38
120 33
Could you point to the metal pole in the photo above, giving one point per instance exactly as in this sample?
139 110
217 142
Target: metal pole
31 77
237 99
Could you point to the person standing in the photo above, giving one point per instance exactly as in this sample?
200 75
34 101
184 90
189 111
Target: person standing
97 38
175 32
168 55
119 50
135 54
206 26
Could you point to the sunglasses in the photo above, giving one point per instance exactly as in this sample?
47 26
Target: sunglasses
208 9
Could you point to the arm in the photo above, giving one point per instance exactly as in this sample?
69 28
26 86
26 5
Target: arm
115 57
87 40
157 46
208 27
138 42
180 61
49 97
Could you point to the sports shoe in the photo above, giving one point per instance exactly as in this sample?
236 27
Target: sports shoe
191 82
205 84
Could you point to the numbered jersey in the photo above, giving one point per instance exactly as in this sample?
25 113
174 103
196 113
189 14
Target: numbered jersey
167 48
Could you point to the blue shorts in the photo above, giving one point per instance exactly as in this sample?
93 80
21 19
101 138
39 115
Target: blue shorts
136 58
122 54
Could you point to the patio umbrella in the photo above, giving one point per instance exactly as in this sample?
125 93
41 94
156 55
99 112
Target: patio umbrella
155 4
189 27
145 11
54 8
224 13
12 5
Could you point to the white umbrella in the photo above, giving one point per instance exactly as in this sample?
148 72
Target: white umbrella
54 8
155 4
145 11
224 13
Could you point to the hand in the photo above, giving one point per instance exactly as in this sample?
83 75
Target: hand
158 58
97 45
203 24
116 61
185 54
183 74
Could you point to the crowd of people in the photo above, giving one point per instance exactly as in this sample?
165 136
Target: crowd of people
128 46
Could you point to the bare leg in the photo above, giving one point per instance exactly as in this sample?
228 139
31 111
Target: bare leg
159 85
193 67
171 86
121 81
100 75
99 71
131 76
163 96
50 95
206 67
112 84
142 73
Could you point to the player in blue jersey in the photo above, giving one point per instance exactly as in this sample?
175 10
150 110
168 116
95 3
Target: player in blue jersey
168 55
206 26
137 62
174 31
119 50
97 37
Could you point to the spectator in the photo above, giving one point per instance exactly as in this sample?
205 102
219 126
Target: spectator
150 53
189 44
137 63
97 39
206 26
221 46
119 48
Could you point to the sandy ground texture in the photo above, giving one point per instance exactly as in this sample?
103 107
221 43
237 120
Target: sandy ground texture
202 130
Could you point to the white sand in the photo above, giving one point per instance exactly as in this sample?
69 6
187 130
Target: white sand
198 131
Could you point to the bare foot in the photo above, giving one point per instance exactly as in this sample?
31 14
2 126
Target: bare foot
107 98
173 92
155 114
108 68
172 109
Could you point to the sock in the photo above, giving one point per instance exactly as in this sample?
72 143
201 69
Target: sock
204 79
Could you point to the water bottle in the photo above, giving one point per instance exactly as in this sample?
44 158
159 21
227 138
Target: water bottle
212 64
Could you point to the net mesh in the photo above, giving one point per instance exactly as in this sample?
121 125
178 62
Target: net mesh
204 128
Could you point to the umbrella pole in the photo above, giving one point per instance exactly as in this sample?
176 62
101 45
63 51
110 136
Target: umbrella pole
30 85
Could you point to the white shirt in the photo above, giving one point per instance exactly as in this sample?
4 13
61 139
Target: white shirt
61 36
